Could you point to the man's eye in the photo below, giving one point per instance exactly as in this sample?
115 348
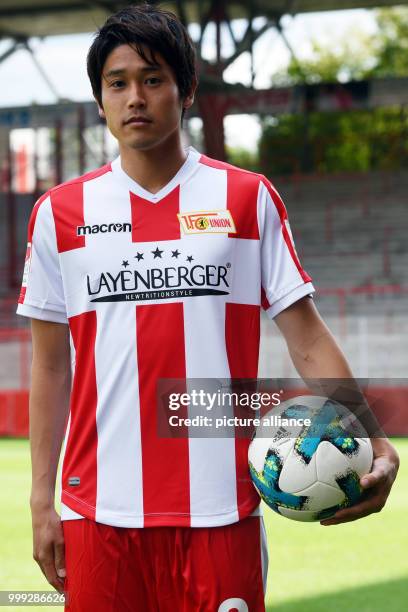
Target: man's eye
116 84
153 80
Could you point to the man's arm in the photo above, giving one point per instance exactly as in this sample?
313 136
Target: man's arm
49 407
315 354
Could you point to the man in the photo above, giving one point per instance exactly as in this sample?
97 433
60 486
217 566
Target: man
128 275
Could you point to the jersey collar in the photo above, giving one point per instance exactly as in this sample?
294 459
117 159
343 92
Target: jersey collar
187 169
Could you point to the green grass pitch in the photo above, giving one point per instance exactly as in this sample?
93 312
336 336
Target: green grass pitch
359 567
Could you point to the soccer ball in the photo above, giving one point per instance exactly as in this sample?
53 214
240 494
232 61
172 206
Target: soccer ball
308 472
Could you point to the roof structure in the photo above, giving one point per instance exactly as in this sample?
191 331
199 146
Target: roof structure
21 20
27 18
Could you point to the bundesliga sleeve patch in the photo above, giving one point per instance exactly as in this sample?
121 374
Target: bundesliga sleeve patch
27 265
291 236
211 222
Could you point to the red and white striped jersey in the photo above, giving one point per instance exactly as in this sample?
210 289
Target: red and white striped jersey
152 286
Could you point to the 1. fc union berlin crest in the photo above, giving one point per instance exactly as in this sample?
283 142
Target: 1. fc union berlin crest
207 222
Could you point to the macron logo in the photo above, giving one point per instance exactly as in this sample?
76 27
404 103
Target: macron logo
104 228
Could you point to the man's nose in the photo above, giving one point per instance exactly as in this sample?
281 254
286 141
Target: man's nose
136 96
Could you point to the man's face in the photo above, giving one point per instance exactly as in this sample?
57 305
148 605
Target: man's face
141 102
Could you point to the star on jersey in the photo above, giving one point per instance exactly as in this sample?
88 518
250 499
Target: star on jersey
157 253
125 263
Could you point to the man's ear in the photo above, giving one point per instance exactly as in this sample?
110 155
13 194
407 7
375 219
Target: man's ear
189 100
101 112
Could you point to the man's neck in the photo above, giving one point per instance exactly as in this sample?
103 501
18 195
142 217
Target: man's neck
154 168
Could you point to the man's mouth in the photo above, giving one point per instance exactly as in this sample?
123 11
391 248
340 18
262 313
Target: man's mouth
137 119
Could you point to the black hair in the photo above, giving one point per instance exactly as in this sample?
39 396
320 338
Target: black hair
139 26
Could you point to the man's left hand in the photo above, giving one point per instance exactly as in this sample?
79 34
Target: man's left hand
377 484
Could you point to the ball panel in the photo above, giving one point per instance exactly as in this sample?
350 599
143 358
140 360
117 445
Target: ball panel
297 475
349 483
267 484
259 447
321 496
362 461
330 463
305 516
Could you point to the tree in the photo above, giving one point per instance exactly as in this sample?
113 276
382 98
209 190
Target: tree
343 141
390 46
355 56
345 59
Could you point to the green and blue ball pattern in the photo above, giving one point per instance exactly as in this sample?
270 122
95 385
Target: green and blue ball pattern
325 426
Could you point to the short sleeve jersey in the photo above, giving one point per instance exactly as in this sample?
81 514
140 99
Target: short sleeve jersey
152 286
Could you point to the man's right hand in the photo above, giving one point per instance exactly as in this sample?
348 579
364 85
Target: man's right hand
48 409
48 546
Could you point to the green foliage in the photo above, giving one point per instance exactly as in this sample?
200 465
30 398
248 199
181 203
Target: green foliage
390 45
350 58
335 142
343 141
243 158
355 56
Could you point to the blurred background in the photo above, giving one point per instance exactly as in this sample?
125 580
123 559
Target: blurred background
314 95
